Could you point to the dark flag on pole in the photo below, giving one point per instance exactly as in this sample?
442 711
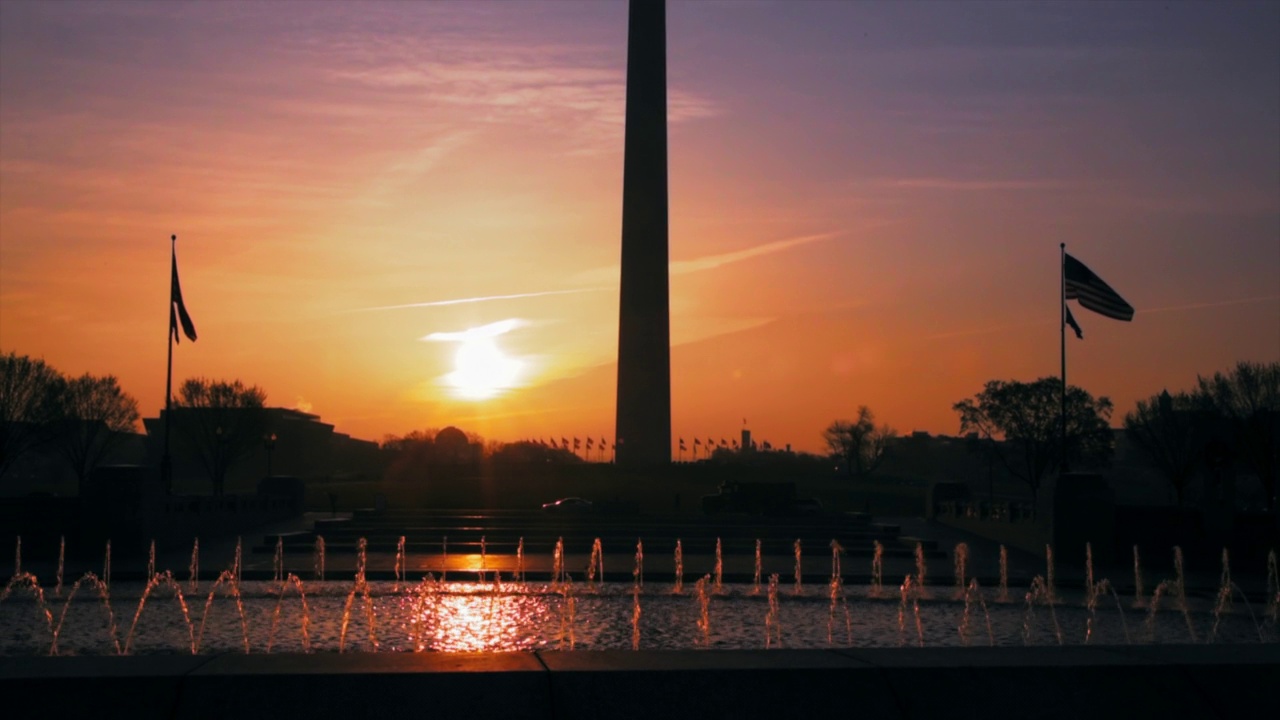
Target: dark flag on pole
1092 293
178 309
1072 322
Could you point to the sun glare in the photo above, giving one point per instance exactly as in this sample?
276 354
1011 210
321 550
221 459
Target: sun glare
481 369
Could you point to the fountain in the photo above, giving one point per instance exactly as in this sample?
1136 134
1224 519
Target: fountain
279 611
799 590
920 568
319 558
877 569
961 555
596 562
679 562
1003 594
772 630
193 570
755 582
719 570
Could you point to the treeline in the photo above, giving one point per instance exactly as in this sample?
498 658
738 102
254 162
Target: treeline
84 418
1225 425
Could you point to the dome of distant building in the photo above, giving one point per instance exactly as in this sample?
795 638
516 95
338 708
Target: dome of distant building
451 437
453 446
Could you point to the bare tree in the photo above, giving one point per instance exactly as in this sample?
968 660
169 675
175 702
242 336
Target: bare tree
221 422
859 444
1172 431
1028 418
28 405
95 415
1248 400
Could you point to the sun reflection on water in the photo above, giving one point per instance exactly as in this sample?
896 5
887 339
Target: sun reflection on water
468 618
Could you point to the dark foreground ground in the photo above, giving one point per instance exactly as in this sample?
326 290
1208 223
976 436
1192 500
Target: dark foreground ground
1057 682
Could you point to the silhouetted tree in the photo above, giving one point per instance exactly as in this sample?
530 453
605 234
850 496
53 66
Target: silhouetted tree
1171 430
859 444
525 452
28 405
1248 400
1028 418
94 416
222 423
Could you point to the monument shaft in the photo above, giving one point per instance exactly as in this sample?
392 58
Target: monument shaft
644 329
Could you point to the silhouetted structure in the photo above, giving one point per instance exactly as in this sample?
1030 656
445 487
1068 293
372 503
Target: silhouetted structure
644 334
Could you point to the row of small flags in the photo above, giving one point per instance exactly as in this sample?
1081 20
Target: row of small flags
577 444
566 445
711 443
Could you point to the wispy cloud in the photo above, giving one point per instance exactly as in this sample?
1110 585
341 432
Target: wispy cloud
490 330
575 90
990 330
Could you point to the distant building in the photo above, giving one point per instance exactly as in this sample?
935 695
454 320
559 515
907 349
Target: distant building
293 443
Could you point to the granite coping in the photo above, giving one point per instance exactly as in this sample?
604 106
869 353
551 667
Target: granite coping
1227 681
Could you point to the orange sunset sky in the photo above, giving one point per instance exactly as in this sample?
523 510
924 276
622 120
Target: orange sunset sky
866 203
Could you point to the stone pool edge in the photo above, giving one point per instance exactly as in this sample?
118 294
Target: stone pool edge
1226 681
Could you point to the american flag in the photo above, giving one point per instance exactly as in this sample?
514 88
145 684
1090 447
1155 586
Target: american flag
1092 293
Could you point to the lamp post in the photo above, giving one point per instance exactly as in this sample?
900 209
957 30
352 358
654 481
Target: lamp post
269 441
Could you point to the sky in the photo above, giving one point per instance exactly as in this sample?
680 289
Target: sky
867 201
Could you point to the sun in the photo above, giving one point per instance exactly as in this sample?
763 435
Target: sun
481 369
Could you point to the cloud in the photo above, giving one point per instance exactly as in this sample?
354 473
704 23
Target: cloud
491 330
577 91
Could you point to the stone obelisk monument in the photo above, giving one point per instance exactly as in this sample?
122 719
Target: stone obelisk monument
643 434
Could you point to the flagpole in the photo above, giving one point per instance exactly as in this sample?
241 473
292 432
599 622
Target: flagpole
166 463
1062 336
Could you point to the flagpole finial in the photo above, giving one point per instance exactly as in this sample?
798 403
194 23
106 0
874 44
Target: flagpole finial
1062 245
173 238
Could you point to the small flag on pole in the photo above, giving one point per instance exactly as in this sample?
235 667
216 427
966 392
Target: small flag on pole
177 308
1092 293
1072 322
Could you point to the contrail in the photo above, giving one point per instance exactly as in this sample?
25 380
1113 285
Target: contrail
679 267
483 298
1223 303
1171 308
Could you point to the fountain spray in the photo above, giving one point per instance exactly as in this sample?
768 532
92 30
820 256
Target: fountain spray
1137 579
772 629
520 560
755 587
638 573
62 554
679 580
319 559
961 566
877 570
718 587
193 576
799 589
1003 595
